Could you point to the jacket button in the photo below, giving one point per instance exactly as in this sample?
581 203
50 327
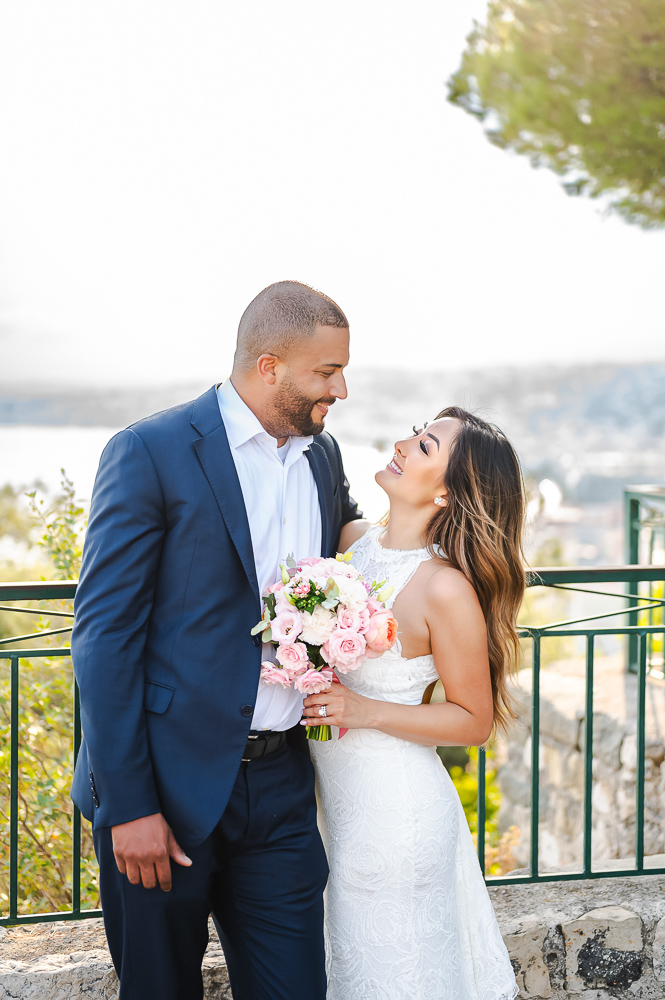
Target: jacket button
256 640
247 710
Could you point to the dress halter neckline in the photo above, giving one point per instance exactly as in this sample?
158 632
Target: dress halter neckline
376 534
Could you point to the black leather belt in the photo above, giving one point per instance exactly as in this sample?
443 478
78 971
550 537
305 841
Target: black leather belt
262 745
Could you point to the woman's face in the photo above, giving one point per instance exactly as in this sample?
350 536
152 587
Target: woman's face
415 472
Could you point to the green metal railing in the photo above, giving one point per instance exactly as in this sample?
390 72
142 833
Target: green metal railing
37 592
644 543
568 579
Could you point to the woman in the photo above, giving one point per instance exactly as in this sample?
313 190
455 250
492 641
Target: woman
408 916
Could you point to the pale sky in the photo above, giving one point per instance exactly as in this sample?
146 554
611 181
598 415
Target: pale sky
161 162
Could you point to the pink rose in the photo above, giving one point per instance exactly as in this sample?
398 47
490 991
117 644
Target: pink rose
286 627
381 633
293 658
357 621
314 681
274 588
344 649
344 569
272 674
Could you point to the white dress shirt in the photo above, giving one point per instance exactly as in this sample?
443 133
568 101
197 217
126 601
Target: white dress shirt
284 517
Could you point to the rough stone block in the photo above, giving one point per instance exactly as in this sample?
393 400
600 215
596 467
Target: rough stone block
654 752
526 953
602 796
603 948
573 772
608 736
88 974
659 951
558 726
54 977
515 788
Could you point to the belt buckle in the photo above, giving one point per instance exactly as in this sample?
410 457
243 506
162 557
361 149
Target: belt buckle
248 760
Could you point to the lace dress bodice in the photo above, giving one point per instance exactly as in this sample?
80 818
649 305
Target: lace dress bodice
408 916
391 677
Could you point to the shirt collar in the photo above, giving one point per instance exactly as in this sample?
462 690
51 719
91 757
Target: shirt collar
242 424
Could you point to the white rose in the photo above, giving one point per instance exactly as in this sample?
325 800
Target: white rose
317 626
352 593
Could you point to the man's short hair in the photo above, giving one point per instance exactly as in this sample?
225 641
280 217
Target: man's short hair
278 317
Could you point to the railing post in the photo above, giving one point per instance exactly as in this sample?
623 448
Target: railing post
641 752
76 815
535 754
588 754
480 809
631 537
13 794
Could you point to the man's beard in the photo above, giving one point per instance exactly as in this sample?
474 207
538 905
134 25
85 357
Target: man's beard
292 413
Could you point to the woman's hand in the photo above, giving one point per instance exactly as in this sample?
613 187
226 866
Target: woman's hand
345 709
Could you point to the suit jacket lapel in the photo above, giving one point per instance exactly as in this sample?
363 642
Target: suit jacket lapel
320 467
215 456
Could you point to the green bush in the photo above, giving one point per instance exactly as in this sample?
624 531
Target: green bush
46 725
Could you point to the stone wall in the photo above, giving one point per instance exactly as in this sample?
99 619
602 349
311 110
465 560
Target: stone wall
562 766
589 940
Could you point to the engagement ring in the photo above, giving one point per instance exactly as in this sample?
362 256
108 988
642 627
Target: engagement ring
323 711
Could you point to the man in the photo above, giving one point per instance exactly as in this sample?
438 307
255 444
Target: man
198 800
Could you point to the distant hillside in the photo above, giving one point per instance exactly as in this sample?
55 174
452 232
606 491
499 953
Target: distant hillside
605 421
601 408
95 407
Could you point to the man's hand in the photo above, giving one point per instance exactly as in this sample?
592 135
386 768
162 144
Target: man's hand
143 850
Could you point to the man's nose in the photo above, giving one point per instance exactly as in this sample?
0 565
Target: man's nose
338 389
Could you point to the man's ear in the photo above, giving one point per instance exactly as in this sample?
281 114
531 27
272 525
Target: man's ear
267 368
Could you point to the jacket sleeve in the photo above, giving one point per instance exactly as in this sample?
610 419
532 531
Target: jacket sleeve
112 610
350 510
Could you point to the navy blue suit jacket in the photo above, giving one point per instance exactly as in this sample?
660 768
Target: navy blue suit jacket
166 666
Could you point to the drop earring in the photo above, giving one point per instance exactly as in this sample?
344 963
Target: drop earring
441 501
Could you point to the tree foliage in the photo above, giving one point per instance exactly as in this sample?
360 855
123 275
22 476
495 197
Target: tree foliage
577 86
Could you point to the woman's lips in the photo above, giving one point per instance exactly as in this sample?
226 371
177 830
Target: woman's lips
393 467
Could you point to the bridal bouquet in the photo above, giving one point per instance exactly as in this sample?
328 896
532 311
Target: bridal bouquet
323 617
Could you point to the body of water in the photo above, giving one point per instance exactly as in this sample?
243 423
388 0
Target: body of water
29 454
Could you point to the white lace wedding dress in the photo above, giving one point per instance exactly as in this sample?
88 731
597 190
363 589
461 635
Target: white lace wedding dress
408 916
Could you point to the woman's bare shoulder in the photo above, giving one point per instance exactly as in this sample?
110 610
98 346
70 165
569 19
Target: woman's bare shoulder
446 586
351 532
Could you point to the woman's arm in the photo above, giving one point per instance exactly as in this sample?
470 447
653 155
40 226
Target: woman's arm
459 645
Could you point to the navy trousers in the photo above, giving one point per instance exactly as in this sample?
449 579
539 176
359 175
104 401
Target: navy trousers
261 874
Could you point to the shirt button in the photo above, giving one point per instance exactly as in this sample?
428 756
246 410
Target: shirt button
247 710
283 520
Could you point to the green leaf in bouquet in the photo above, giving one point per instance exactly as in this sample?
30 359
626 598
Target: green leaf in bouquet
261 627
290 561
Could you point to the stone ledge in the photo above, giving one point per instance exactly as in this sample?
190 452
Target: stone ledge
595 939
579 940
68 960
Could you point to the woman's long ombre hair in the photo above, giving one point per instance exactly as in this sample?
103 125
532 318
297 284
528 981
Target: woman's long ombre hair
481 533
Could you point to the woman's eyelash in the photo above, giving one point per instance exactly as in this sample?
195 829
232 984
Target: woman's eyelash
422 445
415 431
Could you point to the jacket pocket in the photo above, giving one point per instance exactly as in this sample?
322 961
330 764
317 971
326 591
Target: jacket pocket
157 697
